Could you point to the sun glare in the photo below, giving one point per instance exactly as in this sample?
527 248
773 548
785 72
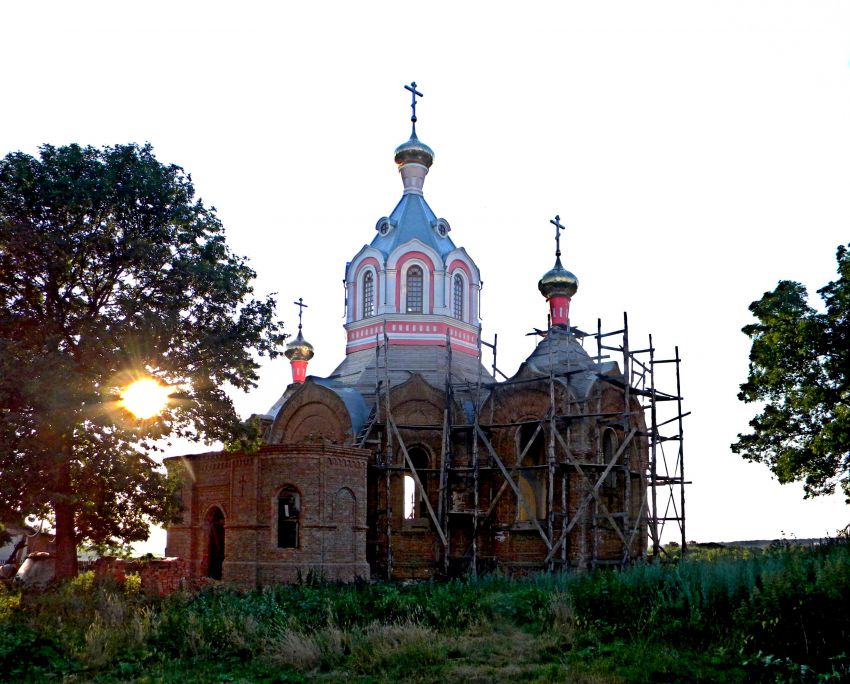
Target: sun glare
145 398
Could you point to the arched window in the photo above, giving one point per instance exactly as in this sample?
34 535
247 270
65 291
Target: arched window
530 489
610 444
535 452
414 289
414 502
288 513
533 476
368 295
457 295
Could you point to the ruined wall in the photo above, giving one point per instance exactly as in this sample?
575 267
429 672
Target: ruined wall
330 484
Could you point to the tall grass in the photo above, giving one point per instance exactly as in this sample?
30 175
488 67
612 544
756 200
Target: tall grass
782 613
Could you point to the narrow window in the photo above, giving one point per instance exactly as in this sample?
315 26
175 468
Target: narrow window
215 550
533 475
458 297
610 444
414 501
368 295
414 290
529 487
288 511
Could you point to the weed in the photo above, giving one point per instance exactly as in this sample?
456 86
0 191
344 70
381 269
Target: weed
779 611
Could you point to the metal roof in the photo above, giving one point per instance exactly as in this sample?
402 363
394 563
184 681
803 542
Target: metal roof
413 219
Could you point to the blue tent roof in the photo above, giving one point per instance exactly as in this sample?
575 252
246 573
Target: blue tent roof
412 219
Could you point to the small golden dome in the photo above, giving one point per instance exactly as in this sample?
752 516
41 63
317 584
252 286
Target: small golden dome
299 349
558 282
415 152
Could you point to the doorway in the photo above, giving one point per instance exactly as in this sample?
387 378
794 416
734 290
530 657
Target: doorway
215 542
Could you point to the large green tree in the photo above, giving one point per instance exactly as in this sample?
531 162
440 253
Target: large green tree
111 269
800 374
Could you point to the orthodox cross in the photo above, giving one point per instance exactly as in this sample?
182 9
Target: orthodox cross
558 228
301 306
242 482
413 94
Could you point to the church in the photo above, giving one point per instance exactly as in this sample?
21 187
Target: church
412 460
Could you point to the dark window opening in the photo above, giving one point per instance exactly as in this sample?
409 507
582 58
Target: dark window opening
215 551
288 512
610 444
535 454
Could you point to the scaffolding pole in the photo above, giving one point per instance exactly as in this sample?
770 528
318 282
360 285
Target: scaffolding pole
598 497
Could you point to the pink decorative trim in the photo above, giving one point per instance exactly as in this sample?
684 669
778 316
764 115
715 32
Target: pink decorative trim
406 332
457 263
393 342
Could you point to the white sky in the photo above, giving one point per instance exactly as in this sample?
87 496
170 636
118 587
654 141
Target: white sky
697 151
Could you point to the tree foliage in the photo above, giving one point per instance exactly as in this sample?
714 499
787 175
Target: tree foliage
800 372
111 269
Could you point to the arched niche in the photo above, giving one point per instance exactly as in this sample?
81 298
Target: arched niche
344 513
214 549
314 412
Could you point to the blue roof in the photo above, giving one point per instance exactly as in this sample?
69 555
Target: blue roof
358 410
412 219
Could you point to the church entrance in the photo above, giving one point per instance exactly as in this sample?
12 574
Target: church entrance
215 542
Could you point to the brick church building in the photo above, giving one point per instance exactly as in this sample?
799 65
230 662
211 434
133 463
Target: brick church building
410 460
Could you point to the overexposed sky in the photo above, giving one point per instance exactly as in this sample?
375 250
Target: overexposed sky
696 151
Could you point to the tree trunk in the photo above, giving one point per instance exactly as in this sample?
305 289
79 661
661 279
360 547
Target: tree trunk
63 508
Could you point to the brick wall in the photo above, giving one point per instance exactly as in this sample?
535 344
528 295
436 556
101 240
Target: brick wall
330 482
158 576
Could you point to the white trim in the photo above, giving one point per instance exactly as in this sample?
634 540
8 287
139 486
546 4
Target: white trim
365 252
465 303
426 286
361 289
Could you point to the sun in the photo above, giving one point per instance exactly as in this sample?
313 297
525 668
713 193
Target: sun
145 398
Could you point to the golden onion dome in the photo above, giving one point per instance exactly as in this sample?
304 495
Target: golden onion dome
414 152
299 349
558 282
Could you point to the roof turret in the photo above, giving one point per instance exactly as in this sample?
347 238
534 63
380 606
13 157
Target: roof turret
412 218
299 351
413 157
558 284
414 152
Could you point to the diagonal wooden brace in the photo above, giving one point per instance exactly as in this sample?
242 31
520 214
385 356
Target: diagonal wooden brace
417 481
594 492
504 486
520 498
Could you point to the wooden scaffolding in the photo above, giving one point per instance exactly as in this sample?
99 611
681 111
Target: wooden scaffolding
461 495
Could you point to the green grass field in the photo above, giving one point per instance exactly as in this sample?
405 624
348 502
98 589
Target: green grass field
782 615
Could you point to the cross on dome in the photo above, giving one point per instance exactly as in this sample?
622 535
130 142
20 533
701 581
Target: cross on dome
413 94
299 351
301 306
558 228
558 284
